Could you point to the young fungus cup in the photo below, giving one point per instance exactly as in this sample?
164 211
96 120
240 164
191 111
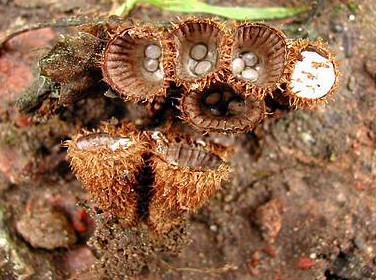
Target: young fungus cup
107 163
312 76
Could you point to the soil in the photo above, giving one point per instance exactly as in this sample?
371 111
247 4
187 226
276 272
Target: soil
300 202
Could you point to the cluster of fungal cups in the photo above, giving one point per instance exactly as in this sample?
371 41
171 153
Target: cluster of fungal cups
225 70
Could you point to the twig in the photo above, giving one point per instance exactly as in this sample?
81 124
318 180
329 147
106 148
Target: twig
226 268
64 22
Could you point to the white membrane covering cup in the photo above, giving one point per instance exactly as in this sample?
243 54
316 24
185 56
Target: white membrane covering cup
313 77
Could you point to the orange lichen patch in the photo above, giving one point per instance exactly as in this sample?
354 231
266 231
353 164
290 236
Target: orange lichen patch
186 176
258 59
312 75
219 108
107 162
198 51
304 263
133 64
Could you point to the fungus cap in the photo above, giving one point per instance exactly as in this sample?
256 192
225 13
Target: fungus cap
186 176
313 76
107 163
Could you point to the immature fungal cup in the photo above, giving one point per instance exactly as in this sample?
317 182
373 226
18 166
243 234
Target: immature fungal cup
106 162
196 48
219 108
186 176
313 73
133 64
258 58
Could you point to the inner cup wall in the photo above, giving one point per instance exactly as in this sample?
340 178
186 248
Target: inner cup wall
129 53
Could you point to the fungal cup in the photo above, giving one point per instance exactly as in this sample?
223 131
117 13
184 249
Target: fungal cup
258 58
196 48
313 74
133 64
220 108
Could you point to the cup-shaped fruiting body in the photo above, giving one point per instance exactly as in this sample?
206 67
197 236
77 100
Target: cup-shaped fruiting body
258 59
133 64
312 74
107 162
197 50
186 176
219 108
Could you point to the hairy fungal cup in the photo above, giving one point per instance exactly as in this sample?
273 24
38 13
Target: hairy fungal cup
186 176
197 52
133 64
313 74
258 59
107 162
219 108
